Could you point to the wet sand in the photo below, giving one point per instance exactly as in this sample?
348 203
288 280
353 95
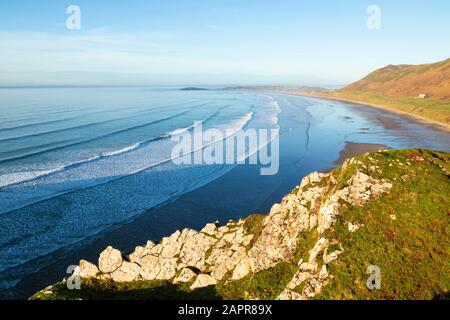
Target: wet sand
416 117
353 149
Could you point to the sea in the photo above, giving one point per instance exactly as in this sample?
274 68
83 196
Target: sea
85 167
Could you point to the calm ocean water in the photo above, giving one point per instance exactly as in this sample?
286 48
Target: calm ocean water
75 162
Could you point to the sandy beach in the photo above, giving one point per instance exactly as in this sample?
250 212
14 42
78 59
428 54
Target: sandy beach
439 125
442 126
425 120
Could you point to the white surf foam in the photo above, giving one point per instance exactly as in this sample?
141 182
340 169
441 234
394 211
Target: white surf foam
123 150
25 176
181 130
17 177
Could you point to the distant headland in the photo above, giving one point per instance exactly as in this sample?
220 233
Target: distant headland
194 89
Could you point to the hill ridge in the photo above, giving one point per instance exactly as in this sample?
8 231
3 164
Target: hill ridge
408 80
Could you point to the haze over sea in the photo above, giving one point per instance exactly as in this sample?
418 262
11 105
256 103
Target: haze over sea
77 163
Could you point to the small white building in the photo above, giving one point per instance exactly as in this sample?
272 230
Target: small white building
422 96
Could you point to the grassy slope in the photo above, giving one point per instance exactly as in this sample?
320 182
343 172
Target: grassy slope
397 86
412 251
408 80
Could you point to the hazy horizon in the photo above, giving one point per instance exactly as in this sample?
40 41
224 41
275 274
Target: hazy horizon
105 79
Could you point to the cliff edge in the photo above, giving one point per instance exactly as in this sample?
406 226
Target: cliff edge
376 228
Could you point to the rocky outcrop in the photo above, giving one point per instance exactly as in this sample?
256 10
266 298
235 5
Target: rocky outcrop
110 260
203 280
361 188
278 240
86 270
233 251
313 276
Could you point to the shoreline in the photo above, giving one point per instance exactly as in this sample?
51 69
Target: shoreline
440 125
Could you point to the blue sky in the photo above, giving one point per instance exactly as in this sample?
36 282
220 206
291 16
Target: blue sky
215 41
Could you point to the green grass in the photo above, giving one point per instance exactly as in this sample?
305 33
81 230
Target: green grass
264 285
411 251
305 242
254 224
143 290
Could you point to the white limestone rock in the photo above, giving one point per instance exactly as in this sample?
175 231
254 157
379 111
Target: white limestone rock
202 281
194 249
149 269
242 269
87 270
127 272
186 275
110 260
